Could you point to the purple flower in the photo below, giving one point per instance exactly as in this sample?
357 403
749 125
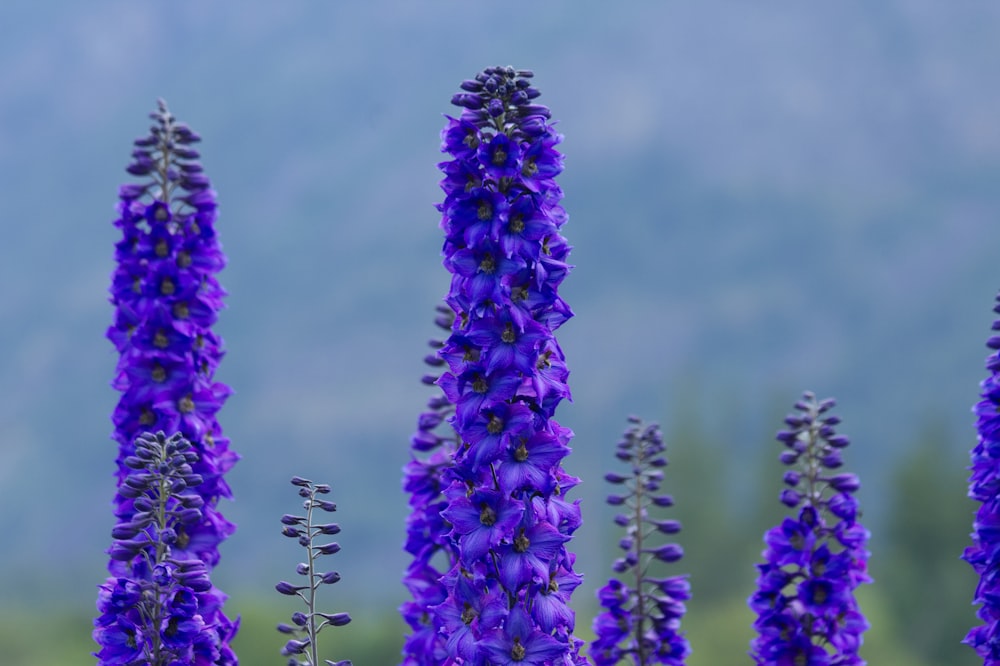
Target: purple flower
521 643
166 298
641 617
805 605
161 608
505 375
984 487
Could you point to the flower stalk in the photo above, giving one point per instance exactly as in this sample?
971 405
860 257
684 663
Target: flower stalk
641 622
306 626
805 601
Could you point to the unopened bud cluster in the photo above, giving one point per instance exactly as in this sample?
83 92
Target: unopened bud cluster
305 627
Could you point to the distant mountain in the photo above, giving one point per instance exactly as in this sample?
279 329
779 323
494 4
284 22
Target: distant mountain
762 200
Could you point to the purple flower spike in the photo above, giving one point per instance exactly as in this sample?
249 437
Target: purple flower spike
160 608
642 616
166 299
805 605
490 496
984 487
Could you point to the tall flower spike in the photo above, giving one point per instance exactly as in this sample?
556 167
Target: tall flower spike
161 608
507 589
642 616
807 613
166 300
984 487
305 529
427 540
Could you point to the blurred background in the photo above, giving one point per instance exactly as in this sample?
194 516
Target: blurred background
763 199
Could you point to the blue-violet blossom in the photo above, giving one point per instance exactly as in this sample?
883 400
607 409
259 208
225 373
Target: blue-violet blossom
159 607
507 591
807 613
166 300
642 616
984 487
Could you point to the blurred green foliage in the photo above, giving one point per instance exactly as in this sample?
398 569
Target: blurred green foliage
919 607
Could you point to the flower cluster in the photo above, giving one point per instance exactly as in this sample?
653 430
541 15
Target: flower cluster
984 487
504 488
306 626
166 300
807 613
642 617
427 540
161 607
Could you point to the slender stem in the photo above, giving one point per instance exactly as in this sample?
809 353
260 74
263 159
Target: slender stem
311 626
640 599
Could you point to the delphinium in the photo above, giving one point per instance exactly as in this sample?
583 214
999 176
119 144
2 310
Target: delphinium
161 607
641 621
807 613
984 487
428 542
306 529
166 300
506 596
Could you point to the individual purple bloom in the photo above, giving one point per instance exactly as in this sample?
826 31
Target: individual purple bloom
503 377
160 607
984 487
305 627
521 643
805 605
480 522
642 616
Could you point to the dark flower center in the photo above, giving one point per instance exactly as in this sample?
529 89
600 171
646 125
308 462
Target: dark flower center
159 373
167 286
499 156
516 224
480 385
495 425
468 614
521 543
161 248
183 259
517 650
160 339
487 516
518 294
186 404
146 417
521 453
161 214
529 169
508 334
485 211
488 265
136 286
180 310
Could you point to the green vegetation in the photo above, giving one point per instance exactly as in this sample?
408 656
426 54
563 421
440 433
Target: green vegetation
919 607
